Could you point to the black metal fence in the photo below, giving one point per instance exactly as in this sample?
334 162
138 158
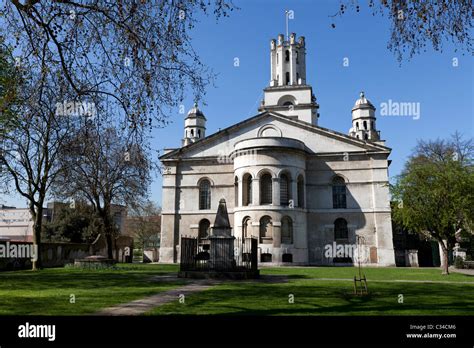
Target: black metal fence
225 254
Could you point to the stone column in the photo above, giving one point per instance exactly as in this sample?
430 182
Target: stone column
256 191
240 191
294 192
276 234
275 191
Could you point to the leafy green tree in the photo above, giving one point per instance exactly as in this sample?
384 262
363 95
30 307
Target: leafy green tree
435 192
75 225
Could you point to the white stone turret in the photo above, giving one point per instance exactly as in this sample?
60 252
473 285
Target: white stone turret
288 61
194 126
288 92
363 120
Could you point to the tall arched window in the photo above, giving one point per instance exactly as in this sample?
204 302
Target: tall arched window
205 195
284 190
266 230
366 136
365 125
277 57
338 193
287 78
287 56
266 189
245 227
199 133
247 190
357 125
341 231
204 226
300 191
286 230
297 58
297 77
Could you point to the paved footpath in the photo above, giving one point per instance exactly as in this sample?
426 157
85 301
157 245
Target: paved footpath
146 304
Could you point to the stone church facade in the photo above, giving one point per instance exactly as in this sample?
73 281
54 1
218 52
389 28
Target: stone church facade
301 189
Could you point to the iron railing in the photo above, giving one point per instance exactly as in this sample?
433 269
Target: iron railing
225 254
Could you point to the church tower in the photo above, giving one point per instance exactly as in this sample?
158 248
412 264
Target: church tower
288 92
194 126
363 120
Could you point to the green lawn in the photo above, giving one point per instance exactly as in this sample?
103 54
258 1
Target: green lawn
335 297
47 292
316 291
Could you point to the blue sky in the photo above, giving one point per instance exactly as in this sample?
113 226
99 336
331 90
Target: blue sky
445 93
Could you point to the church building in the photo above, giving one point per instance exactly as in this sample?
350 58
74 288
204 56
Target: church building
302 190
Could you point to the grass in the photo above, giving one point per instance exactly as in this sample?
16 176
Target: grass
334 297
316 291
48 292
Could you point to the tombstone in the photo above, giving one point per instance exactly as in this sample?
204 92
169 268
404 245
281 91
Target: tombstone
221 241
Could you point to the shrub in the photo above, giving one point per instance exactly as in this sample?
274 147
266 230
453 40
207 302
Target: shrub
459 262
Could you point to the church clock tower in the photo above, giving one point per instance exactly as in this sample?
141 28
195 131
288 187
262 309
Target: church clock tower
288 92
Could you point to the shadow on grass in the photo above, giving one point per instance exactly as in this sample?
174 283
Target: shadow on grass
328 298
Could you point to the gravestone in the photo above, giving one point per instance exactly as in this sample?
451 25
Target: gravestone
221 241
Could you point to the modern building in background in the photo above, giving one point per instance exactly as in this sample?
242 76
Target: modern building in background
16 224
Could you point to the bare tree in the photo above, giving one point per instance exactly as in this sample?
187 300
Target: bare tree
31 138
417 24
136 54
100 165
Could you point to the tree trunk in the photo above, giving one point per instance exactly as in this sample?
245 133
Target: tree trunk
444 257
38 219
108 229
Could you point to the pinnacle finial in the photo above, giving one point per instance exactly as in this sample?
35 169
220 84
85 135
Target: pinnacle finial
362 95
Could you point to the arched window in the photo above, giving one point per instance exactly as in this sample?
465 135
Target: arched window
236 191
366 136
287 56
205 195
247 190
357 136
266 189
192 132
284 190
297 78
338 193
266 230
287 78
204 226
365 124
297 60
199 133
286 230
372 126
277 58
300 191
245 227
340 229
357 125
